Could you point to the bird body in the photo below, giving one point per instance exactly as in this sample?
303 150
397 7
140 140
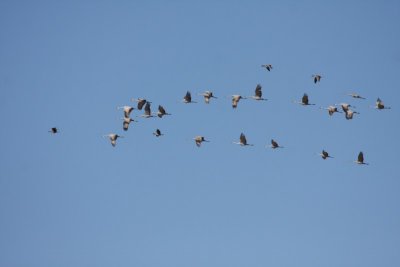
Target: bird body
157 133
380 105
242 141
325 155
317 78
147 111
188 98
140 102
267 66
331 110
113 138
275 144
127 110
161 111
355 95
360 159
207 96
304 101
126 123
349 114
236 99
258 93
199 139
53 130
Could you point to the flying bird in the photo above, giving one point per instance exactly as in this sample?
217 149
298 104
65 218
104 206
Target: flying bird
380 105
199 139
157 133
325 155
140 102
317 78
188 98
360 159
304 101
258 93
349 114
331 110
345 106
161 111
242 141
127 121
127 110
53 130
274 144
207 96
355 95
147 111
113 138
236 99
267 66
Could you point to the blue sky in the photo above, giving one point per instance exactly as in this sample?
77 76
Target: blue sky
72 199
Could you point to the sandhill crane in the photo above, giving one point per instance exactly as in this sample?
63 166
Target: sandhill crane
157 133
242 141
113 138
140 102
380 105
127 121
304 101
360 159
349 114
199 139
236 99
147 111
267 66
258 93
317 78
188 98
161 111
325 155
355 95
53 130
331 110
127 110
274 144
345 106
207 96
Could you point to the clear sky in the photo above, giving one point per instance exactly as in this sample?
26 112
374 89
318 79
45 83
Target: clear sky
71 199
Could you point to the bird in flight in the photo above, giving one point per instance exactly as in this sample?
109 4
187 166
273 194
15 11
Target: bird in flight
242 141
267 66
325 155
207 96
258 93
274 144
304 101
161 111
199 139
360 159
53 130
317 78
113 138
157 133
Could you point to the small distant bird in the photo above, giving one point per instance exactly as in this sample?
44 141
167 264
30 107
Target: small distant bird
161 111
207 96
274 144
157 133
113 138
360 159
188 98
304 101
140 102
199 139
242 141
380 105
147 111
317 78
331 110
126 123
127 110
349 114
345 106
53 130
267 66
258 93
355 95
325 155
236 99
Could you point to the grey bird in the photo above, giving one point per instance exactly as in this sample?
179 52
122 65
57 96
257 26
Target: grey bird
199 139
53 130
161 111
157 133
207 96
275 144
258 93
242 141
188 98
267 66
360 159
325 155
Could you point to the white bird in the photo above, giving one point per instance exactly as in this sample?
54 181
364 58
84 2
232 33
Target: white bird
380 105
53 130
360 159
113 138
243 141
207 96
157 133
324 155
127 121
275 144
317 78
236 99
127 110
355 95
258 93
161 111
188 98
267 66
304 101
331 110
345 106
199 139
349 114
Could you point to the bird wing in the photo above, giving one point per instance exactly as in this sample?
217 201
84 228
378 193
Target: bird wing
274 143
147 110
243 139
161 109
258 92
304 99
361 157
188 97
141 103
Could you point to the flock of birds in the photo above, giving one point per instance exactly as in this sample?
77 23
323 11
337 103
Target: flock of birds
143 104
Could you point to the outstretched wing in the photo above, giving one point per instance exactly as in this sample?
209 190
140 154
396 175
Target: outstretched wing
147 109
258 91
243 139
141 103
361 157
304 99
188 97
